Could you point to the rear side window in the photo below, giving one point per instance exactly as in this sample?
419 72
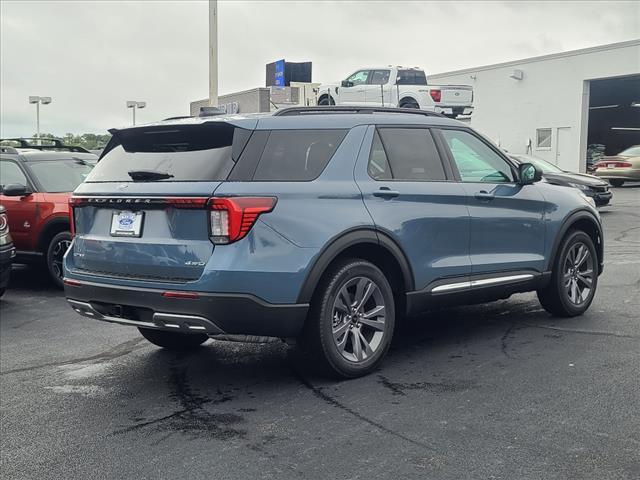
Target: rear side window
379 77
411 77
297 155
205 152
62 175
411 154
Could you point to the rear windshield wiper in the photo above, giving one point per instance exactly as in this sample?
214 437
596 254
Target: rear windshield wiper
148 175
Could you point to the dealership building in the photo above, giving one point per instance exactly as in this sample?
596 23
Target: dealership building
564 108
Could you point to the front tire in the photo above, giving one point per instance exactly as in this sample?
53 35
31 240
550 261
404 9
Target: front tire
352 319
58 246
174 340
574 278
616 182
326 101
410 104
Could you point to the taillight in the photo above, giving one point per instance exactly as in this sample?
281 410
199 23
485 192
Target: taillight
436 95
72 218
183 295
609 164
231 218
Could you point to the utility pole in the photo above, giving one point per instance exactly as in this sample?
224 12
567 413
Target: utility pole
38 100
213 53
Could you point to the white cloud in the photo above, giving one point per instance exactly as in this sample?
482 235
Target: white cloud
93 56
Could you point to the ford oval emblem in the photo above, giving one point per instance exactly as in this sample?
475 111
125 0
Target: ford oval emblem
457 94
126 222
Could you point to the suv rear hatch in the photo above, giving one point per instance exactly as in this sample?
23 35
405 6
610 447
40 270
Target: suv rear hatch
142 213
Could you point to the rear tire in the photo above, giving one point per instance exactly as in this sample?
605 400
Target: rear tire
410 104
174 340
351 322
574 278
2 290
326 101
55 252
616 182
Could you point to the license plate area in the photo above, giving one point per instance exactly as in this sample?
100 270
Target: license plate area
125 223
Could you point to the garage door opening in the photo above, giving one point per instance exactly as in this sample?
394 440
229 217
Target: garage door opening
614 116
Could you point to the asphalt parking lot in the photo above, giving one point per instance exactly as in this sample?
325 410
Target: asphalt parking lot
495 391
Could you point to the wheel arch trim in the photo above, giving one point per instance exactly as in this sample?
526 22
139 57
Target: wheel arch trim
569 222
340 244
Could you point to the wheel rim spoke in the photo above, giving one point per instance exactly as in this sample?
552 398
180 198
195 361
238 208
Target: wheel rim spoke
375 324
358 319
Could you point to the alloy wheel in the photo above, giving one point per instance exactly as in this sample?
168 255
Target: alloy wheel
57 255
578 273
358 323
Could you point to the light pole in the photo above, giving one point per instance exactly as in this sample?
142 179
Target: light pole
213 53
38 100
133 105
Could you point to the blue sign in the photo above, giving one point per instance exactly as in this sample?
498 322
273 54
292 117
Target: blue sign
280 81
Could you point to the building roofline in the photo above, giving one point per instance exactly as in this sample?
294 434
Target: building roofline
541 58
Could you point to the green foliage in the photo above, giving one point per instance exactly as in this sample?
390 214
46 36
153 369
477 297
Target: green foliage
90 141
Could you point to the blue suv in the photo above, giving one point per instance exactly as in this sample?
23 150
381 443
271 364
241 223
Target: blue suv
321 224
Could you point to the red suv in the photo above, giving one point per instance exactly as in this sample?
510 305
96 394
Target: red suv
36 182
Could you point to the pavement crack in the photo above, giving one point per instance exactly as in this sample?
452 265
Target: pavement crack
328 399
585 332
503 341
120 350
192 418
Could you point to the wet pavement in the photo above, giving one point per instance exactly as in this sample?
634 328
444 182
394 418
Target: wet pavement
501 391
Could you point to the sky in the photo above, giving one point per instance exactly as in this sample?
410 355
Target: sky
93 56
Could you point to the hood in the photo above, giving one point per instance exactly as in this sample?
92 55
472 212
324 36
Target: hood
566 178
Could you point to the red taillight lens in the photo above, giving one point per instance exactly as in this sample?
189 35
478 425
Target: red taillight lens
231 218
436 95
72 218
609 164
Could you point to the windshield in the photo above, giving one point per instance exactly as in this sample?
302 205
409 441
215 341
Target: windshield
171 154
64 175
631 151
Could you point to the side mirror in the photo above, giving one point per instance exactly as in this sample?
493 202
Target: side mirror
347 83
15 190
529 173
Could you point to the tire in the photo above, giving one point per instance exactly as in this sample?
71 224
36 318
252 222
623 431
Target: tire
2 290
560 297
55 252
616 182
174 340
409 104
343 341
326 101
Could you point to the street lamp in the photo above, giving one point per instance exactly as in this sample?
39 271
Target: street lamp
133 105
39 100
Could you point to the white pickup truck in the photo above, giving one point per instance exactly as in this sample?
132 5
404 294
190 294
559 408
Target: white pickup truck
398 87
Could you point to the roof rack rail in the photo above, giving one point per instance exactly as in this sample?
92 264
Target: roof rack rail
290 111
11 150
57 144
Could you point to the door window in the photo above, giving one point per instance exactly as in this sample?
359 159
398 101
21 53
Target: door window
379 77
359 78
405 154
10 173
476 161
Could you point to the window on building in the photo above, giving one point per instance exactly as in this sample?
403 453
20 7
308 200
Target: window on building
543 138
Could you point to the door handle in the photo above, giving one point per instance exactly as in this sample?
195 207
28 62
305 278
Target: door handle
484 196
386 192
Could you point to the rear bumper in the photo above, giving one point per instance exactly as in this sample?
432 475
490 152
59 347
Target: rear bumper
211 313
454 110
629 174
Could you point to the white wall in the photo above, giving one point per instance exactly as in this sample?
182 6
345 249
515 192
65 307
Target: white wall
552 94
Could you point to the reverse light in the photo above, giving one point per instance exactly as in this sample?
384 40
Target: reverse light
231 218
436 95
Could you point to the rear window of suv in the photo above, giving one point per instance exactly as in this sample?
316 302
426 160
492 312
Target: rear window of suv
297 155
205 152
